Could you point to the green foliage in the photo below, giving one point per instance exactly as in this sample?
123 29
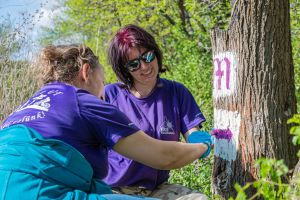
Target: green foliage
196 175
295 32
295 130
269 185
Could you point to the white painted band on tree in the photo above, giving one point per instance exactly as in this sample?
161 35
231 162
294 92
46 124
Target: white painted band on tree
226 148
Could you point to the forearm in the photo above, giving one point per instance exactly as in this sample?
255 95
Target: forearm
182 154
159 154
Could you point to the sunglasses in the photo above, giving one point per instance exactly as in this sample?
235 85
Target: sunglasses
135 64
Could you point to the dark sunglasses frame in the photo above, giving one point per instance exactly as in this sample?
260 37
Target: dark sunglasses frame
135 64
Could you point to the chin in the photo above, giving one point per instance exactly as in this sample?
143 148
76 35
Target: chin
149 80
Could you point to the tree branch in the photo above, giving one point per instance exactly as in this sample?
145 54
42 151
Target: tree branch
167 17
185 19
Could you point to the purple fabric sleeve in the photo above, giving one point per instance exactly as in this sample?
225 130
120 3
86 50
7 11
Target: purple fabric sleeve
109 123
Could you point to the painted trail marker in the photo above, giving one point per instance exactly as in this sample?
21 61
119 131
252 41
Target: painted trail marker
226 125
224 76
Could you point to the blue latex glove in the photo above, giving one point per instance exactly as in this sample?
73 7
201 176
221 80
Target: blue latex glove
201 137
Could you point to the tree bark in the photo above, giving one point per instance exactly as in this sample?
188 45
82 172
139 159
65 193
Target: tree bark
253 91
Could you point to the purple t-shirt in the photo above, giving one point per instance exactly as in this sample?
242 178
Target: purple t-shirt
73 115
167 112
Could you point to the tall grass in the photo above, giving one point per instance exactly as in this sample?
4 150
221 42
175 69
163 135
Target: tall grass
17 85
17 82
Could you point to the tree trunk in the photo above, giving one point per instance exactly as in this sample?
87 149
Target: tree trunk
253 92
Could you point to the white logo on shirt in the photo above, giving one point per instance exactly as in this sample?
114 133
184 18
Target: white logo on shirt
42 102
26 118
167 128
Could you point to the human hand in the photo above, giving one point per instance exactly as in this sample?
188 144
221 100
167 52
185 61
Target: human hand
201 137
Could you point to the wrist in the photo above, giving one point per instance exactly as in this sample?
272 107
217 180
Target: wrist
207 150
204 147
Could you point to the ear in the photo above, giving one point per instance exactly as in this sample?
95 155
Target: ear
85 72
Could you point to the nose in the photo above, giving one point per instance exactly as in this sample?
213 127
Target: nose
144 65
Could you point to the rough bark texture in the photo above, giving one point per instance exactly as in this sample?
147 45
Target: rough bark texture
259 37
